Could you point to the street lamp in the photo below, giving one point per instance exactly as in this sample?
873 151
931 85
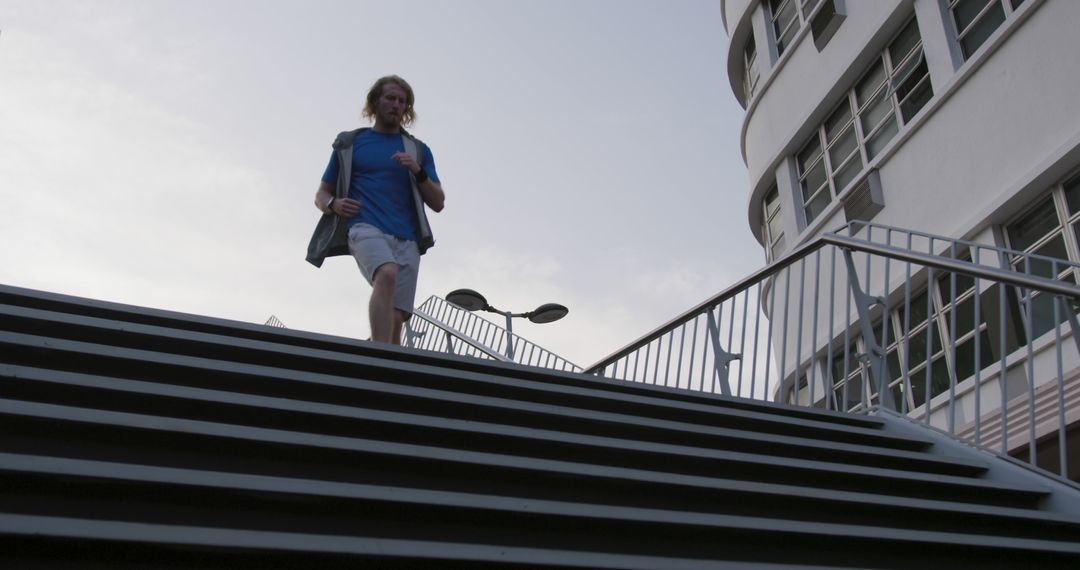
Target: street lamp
472 301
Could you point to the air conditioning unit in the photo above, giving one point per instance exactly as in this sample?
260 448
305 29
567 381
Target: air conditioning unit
865 200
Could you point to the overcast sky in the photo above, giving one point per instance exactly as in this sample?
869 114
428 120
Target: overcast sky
165 154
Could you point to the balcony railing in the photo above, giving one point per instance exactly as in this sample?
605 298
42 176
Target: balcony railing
964 337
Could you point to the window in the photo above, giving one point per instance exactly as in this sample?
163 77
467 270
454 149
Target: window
789 16
785 22
915 337
848 378
889 94
773 227
976 20
1051 229
751 74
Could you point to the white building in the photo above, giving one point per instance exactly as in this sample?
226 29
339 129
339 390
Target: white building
958 118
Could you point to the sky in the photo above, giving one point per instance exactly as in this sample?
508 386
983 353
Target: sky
165 153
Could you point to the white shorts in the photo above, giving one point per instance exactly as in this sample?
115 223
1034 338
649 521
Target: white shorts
371 248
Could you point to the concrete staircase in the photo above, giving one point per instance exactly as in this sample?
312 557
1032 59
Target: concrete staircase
137 438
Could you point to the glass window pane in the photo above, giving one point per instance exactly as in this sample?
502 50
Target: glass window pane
837 121
788 35
870 83
813 181
776 225
1076 231
809 153
808 7
918 387
881 138
839 370
964 284
939 377
1072 194
920 93
848 173
1054 248
965 356
982 29
918 309
872 114
817 205
772 200
783 13
965 12
917 349
843 148
850 394
904 43
1033 226
1042 315
892 360
965 317
777 247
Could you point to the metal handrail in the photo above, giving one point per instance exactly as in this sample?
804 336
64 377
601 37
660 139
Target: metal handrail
484 338
420 312
927 334
705 305
836 239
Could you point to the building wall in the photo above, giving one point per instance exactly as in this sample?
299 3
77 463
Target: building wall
962 141
1001 128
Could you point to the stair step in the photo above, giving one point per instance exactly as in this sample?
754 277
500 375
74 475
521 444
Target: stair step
42 485
138 438
41 303
88 432
32 350
82 390
749 542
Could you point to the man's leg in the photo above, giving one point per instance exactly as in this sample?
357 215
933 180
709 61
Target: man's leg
381 310
399 321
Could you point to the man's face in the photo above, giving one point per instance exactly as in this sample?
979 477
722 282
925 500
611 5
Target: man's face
391 105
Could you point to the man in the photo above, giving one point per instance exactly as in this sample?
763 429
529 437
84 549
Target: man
377 205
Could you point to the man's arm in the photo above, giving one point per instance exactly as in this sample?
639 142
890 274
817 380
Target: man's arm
345 207
433 195
430 191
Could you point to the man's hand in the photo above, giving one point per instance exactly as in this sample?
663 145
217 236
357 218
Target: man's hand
405 159
346 207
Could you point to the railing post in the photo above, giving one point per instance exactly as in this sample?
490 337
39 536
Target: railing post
1074 325
722 358
875 354
449 342
411 335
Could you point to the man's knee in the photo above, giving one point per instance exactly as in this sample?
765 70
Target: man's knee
386 275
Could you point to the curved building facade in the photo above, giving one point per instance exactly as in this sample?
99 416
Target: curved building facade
956 118
959 113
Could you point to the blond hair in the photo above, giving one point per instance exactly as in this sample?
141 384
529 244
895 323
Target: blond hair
376 91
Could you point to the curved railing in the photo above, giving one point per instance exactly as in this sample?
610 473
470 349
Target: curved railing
965 337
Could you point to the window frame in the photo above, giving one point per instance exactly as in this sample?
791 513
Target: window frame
1067 227
894 76
1007 7
928 335
772 242
751 71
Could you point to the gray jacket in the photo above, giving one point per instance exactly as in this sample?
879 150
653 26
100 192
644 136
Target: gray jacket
330 237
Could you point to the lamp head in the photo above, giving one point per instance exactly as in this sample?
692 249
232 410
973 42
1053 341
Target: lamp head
548 313
467 299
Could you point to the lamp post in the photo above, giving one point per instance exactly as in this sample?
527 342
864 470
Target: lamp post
472 301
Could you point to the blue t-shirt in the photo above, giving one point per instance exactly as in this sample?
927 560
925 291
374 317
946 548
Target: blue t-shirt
381 185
